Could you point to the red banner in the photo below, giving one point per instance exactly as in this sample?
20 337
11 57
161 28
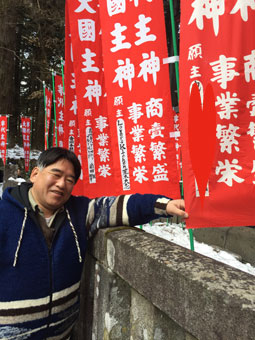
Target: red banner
218 121
91 101
48 105
71 127
59 98
26 133
3 137
139 96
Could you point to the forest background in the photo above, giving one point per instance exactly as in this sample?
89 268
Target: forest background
32 43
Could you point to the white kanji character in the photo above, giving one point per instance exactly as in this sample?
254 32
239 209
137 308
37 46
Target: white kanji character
74 107
116 6
93 90
60 117
119 38
73 83
211 9
139 174
119 113
160 173
139 153
118 100
103 154
154 107
135 112
104 170
142 34
150 65
103 139
87 112
251 103
60 102
251 132
101 123
156 130
195 51
194 72
249 66
72 123
137 132
223 70
228 172
84 5
88 63
242 6
227 137
86 29
124 72
60 129
158 150
227 104
60 90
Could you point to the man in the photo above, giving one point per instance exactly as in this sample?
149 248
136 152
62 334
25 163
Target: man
44 232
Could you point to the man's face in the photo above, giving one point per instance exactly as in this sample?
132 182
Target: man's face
53 185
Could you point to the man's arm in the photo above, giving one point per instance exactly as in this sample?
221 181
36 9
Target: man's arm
130 210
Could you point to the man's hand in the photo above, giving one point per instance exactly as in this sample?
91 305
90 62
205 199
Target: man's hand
177 207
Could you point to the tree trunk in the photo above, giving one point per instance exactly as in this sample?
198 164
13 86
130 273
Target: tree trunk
7 61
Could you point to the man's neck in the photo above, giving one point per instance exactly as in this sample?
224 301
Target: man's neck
33 201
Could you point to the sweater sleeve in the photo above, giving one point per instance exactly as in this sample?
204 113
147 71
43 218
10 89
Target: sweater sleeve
128 210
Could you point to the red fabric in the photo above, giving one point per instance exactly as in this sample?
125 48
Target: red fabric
93 122
71 125
26 133
138 96
3 137
48 105
59 97
217 49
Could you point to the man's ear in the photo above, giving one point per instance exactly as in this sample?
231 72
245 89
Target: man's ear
34 174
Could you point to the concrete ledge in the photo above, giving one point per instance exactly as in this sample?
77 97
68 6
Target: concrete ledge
238 240
208 299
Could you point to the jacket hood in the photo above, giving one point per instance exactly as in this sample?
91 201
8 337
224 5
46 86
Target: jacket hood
20 193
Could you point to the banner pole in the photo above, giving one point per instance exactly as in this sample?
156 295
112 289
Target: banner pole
176 64
54 106
174 45
46 123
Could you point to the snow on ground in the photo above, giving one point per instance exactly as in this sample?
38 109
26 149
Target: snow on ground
18 152
175 233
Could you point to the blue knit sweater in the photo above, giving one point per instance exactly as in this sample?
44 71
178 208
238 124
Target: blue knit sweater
39 286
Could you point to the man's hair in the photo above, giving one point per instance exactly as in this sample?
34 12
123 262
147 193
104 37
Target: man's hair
53 155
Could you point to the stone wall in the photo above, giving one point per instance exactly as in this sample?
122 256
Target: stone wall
137 286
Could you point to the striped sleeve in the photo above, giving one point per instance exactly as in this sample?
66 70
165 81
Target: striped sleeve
160 206
106 212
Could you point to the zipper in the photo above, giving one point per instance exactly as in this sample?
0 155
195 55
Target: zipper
51 291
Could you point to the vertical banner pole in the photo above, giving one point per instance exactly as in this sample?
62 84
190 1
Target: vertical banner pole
54 106
174 45
46 123
191 237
